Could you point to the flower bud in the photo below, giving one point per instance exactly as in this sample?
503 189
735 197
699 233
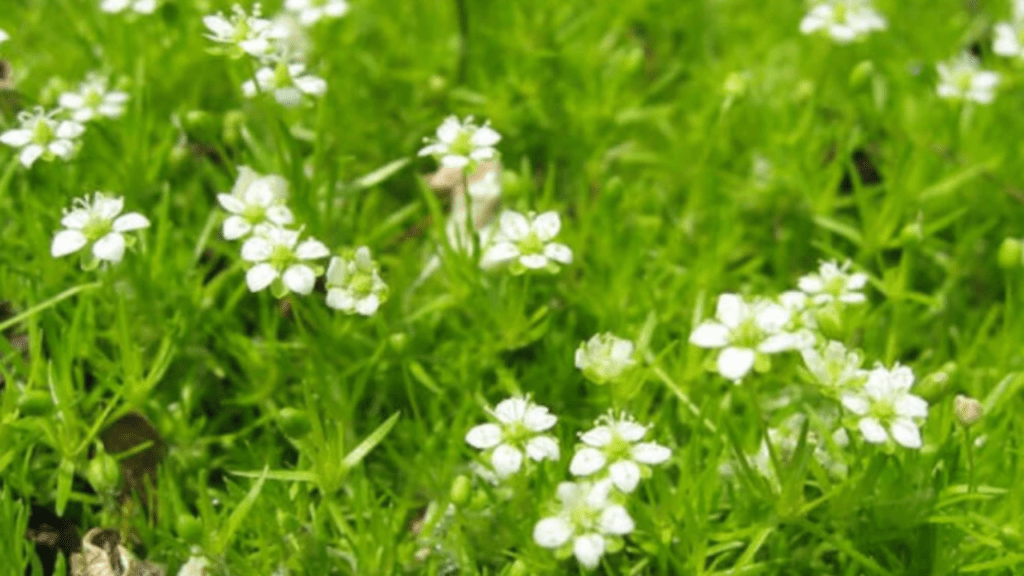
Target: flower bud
234 120
460 490
605 357
294 423
912 233
189 528
861 74
102 472
1010 253
968 410
934 385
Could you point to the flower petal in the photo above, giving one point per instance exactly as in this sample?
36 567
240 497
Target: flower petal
130 221
538 419
625 475
67 242
506 460
299 278
484 436
906 433
598 437
872 430
109 248
511 410
340 299
730 310
651 453
558 253
587 461
547 225
260 276
485 136
588 550
369 305
615 520
542 448
235 227
16 138
311 250
734 363
514 225
256 249
710 335
534 261
29 154
552 532
910 406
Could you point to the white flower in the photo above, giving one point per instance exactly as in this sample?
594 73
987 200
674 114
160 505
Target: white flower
743 331
963 79
97 221
803 325
196 566
93 99
1009 36
289 36
312 11
42 136
354 284
4 37
137 6
242 33
605 357
458 144
287 82
526 243
588 524
518 432
255 200
886 408
833 283
614 446
843 20
280 262
835 367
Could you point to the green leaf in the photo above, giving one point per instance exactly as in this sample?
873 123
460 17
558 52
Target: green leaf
359 452
239 514
379 175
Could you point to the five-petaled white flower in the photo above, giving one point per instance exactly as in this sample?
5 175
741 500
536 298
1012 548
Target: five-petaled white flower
97 221
280 262
835 368
744 331
94 98
963 79
459 144
614 445
287 82
241 32
885 407
137 6
42 136
1009 36
354 284
518 431
605 357
312 11
254 200
843 20
525 242
834 283
588 524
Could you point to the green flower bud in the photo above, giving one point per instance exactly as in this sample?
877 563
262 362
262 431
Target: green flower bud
398 341
461 490
199 125
934 385
968 410
294 423
1010 253
861 74
605 357
189 528
103 472
912 233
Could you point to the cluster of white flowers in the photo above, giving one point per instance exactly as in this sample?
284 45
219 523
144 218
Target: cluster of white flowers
605 358
960 79
137 6
843 20
51 134
590 518
517 242
98 222
258 213
275 46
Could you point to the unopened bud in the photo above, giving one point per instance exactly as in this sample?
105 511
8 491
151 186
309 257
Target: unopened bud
460 490
968 410
861 74
1010 253
102 472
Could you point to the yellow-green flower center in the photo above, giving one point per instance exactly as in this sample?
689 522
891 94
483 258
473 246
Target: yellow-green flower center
281 257
254 213
96 228
42 132
463 144
531 244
